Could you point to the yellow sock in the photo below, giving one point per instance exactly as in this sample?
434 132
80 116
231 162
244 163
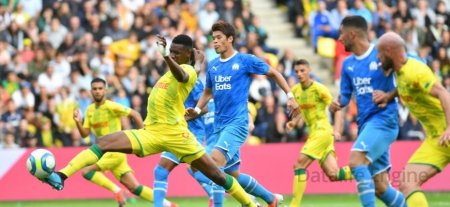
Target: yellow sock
417 198
299 186
345 173
100 179
144 192
84 158
235 190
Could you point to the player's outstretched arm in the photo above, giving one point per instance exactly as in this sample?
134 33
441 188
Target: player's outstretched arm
292 104
442 94
84 132
199 57
191 116
137 118
174 67
382 98
207 94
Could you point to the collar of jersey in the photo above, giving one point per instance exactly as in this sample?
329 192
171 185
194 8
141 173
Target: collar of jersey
367 53
225 60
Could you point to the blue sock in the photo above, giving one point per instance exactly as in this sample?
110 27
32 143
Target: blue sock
218 193
159 185
252 186
366 186
393 198
207 187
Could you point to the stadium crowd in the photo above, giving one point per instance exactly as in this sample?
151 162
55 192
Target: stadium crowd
50 50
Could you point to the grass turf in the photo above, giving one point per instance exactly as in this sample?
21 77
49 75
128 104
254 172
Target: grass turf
434 199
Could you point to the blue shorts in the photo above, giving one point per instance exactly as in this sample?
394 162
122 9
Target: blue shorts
233 164
375 138
230 139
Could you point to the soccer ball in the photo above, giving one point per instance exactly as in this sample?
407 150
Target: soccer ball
41 163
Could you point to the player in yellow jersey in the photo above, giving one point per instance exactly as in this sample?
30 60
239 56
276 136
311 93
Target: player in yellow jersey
165 128
104 117
313 99
429 102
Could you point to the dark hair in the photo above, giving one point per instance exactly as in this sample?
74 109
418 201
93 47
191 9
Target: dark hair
98 80
226 28
184 40
301 62
357 22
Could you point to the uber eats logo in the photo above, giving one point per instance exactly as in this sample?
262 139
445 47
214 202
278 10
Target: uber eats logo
222 82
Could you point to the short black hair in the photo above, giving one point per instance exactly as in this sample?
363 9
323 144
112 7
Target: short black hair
301 62
98 80
184 40
357 22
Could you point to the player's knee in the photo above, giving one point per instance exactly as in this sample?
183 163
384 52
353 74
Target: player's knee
407 187
357 159
301 163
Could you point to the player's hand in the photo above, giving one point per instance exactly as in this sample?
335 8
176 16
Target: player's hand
335 105
290 125
293 108
337 136
199 56
77 115
380 98
444 140
162 46
191 113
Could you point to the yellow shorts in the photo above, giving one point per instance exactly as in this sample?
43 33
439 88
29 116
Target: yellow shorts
319 145
157 138
430 153
115 162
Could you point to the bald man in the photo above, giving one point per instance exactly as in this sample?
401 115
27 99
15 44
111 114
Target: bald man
429 102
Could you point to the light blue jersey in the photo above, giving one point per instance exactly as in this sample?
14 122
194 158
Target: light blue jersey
208 120
230 81
196 126
360 77
377 126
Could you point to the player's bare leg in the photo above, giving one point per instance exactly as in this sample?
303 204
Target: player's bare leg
115 142
332 170
300 179
207 166
412 177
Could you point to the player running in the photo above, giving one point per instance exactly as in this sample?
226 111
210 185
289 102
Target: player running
313 99
104 117
227 80
429 102
377 125
165 128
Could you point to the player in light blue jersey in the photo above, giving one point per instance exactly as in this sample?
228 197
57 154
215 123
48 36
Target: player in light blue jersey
169 161
227 80
377 124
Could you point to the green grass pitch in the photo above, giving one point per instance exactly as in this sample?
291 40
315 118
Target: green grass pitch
434 199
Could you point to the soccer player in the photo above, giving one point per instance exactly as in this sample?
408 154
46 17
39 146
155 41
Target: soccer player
169 161
313 99
429 102
227 80
377 125
104 117
165 128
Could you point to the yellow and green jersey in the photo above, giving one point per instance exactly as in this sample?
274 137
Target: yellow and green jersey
166 101
313 102
414 83
106 118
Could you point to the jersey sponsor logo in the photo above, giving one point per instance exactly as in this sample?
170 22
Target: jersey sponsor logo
222 82
362 85
307 106
214 68
162 85
235 67
100 125
363 144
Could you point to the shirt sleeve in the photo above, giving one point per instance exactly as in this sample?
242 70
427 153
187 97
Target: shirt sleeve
120 110
325 95
256 65
424 79
346 86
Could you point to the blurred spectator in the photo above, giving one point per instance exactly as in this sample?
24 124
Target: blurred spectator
50 80
9 142
24 98
403 12
63 116
424 15
11 118
56 32
321 25
208 17
360 9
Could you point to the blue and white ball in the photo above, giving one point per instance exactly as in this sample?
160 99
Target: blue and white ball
41 163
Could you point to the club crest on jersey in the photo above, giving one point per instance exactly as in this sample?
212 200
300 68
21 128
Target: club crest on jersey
373 65
235 67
